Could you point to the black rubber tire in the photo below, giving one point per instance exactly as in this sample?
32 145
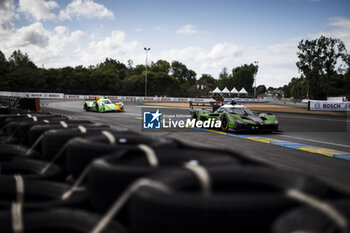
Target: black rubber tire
26 118
4 109
58 220
29 169
13 128
23 128
80 152
12 150
11 117
54 140
10 127
8 117
36 131
8 140
121 169
307 219
238 155
244 199
224 123
40 194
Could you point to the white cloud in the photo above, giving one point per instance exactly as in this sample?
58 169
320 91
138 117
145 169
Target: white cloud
276 62
7 13
114 46
33 35
74 36
86 9
60 30
187 29
37 9
52 48
61 47
340 28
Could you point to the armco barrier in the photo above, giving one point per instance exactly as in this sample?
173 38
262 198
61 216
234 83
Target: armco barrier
32 95
328 106
131 98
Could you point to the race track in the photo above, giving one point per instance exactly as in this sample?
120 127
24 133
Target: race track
316 144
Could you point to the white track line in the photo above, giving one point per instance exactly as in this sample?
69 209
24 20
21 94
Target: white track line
318 141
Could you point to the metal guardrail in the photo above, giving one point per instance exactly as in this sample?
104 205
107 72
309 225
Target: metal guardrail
130 98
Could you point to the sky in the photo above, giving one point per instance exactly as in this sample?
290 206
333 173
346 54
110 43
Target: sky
204 35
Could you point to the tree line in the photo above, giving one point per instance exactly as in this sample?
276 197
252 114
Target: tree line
112 77
324 64
19 73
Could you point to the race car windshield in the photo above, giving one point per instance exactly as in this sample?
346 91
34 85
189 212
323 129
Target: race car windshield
239 111
107 101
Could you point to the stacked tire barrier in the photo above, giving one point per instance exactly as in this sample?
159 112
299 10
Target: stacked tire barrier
63 175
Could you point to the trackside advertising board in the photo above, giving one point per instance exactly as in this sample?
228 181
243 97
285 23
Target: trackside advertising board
329 106
131 98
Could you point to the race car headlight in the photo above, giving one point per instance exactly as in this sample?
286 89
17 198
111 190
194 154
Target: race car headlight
121 104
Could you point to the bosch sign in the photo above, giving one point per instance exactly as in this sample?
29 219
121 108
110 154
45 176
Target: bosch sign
331 106
315 105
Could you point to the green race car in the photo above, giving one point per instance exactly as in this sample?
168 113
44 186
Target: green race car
103 104
237 117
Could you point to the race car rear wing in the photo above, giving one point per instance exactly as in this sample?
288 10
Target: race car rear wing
213 105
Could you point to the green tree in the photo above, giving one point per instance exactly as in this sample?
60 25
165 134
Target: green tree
296 88
160 66
22 73
18 59
243 77
317 61
112 67
225 80
184 75
206 78
261 89
4 68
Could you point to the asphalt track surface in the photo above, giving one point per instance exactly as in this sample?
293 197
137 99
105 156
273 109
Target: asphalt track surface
321 137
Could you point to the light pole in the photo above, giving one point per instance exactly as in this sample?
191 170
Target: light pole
256 65
146 49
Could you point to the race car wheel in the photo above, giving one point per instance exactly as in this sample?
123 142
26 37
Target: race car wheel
194 116
224 123
86 108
